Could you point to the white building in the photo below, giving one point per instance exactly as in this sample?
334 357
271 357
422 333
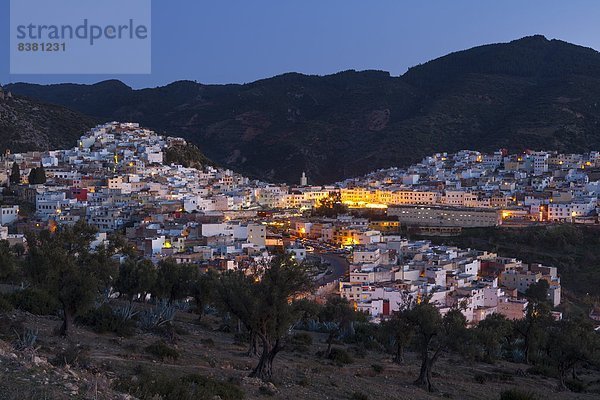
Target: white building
257 234
8 214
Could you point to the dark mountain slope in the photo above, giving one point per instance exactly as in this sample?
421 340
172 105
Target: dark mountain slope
529 93
27 124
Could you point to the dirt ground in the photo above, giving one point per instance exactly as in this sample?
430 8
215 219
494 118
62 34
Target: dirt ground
204 351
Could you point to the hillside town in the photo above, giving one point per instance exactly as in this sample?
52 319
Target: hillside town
124 178
536 186
480 283
327 200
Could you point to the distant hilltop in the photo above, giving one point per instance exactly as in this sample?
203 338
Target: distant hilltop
528 93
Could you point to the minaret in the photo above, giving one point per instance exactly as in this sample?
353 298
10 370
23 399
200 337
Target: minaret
303 180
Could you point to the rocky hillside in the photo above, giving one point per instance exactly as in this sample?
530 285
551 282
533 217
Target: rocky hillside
26 124
106 366
529 93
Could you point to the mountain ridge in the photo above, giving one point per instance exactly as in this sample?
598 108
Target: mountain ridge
527 93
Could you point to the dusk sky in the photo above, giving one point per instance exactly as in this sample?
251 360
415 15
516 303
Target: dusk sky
229 41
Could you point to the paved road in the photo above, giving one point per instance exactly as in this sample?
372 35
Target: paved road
339 267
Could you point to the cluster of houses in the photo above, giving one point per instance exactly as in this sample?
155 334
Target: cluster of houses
118 167
343 230
120 177
383 275
535 186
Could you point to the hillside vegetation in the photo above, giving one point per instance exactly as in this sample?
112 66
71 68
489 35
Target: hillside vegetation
27 125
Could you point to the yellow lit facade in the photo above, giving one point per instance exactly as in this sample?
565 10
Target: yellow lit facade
378 198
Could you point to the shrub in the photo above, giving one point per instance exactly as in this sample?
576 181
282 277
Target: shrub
103 319
493 377
378 368
8 326
364 335
168 332
205 387
204 324
26 340
302 338
303 381
516 356
148 386
241 338
267 391
35 301
300 342
359 351
5 304
159 315
575 386
162 351
126 312
72 355
180 330
340 356
516 394
359 396
544 370
207 342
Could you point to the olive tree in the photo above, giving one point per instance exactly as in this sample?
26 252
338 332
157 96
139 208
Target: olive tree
136 277
264 302
434 335
570 343
398 331
62 264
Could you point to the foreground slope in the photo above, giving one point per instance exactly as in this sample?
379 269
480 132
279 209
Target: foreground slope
107 365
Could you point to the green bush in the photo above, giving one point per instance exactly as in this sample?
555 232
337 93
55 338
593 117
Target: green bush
148 386
187 155
300 343
516 394
104 320
340 356
162 351
365 334
302 338
35 301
